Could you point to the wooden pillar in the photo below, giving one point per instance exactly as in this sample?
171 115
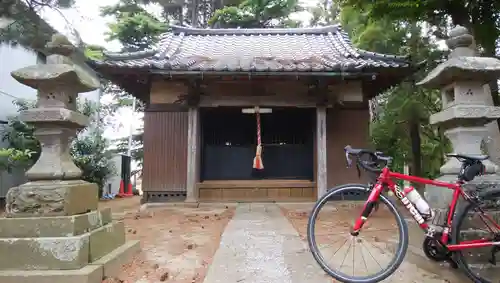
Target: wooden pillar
192 155
321 172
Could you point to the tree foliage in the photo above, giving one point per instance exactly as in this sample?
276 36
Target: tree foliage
94 52
19 136
90 153
135 28
21 24
481 17
324 13
257 14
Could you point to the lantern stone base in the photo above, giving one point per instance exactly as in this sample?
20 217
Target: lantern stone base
105 267
52 198
79 248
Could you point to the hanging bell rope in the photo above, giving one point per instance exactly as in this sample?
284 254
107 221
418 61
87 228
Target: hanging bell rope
257 161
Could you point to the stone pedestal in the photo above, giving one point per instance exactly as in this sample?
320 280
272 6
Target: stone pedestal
54 231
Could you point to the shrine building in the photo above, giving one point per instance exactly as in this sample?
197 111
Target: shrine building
251 114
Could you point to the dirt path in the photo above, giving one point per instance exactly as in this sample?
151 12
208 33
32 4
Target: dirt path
177 243
120 205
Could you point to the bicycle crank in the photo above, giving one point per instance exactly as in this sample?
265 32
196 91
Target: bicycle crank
435 251
494 251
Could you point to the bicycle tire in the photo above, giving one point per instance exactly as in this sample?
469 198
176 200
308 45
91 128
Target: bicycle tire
460 216
381 275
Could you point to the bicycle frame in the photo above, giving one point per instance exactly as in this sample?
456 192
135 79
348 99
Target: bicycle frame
385 179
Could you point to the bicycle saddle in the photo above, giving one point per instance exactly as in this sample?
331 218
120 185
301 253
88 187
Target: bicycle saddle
475 157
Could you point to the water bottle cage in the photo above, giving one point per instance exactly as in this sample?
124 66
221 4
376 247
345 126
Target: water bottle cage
470 170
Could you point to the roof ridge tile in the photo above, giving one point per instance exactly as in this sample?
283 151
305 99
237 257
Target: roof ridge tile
324 48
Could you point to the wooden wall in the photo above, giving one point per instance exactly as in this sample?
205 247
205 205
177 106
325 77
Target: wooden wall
165 151
258 190
165 147
345 127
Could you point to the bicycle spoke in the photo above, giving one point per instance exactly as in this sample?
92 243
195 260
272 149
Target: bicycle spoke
372 255
364 261
334 242
339 248
345 256
332 251
353 255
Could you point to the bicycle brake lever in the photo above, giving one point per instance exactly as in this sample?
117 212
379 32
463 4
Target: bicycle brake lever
348 159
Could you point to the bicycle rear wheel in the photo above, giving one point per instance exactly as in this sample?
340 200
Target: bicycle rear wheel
371 243
471 224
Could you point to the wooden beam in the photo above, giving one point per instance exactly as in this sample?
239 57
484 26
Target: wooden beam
243 101
166 107
192 155
321 173
192 98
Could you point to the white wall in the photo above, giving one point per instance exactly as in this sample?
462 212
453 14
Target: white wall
12 58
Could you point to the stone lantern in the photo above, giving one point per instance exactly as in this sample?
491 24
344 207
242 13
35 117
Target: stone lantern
54 231
466 109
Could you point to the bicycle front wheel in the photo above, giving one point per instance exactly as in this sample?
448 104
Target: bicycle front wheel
376 252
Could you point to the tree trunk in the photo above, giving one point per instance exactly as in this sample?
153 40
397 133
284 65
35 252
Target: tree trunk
416 152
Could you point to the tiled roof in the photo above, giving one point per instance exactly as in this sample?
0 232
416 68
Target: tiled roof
323 49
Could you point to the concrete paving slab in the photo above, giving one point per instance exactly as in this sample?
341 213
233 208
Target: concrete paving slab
259 245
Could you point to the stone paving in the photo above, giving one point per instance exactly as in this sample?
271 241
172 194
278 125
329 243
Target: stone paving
260 245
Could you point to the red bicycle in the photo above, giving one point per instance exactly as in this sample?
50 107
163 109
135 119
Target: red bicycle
448 238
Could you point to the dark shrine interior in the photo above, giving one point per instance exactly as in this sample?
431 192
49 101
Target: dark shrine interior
229 140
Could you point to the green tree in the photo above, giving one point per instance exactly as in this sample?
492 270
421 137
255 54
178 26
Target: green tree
257 14
11 158
401 127
94 52
324 13
482 18
19 136
90 153
135 28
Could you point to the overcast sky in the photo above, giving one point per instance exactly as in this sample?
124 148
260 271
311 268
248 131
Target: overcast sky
85 18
